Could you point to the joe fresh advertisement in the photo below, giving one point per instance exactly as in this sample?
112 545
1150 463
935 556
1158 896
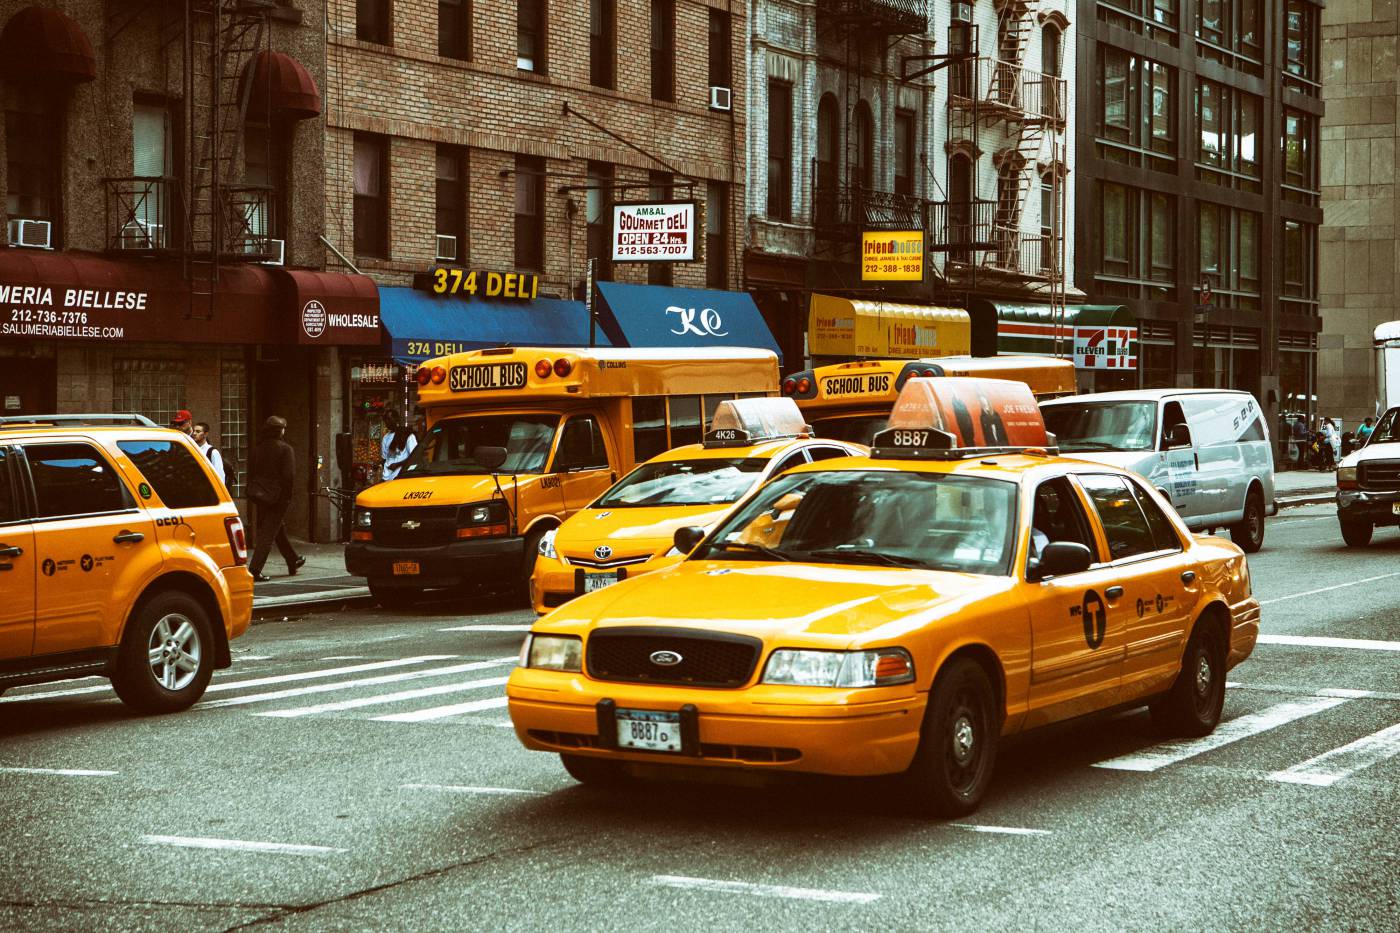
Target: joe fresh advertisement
654 232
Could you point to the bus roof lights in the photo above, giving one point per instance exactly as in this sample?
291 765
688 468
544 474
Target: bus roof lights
423 375
954 416
562 367
746 421
543 369
438 375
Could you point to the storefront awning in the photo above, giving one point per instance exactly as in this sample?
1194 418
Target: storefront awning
845 327
682 318
422 326
41 45
282 88
1099 336
335 309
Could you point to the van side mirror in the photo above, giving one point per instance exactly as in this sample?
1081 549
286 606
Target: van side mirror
1178 435
687 537
1062 557
493 458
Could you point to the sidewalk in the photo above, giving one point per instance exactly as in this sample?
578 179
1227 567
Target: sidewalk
322 579
1304 487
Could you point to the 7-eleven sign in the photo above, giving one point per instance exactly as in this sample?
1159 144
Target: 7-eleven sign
1105 347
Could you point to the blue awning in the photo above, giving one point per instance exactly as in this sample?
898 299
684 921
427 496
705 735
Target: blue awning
657 316
421 325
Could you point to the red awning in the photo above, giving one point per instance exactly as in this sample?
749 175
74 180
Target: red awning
335 309
282 88
42 45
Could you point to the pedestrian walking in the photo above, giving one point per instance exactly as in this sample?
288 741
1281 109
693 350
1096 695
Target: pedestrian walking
1332 438
271 478
396 446
182 420
199 433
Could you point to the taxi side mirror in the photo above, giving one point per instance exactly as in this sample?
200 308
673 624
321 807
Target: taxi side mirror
1178 435
492 458
1062 557
687 537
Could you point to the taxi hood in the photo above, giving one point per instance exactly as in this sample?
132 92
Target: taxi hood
632 531
824 604
435 490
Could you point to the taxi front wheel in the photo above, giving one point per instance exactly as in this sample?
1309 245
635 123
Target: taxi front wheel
167 657
1356 533
957 744
1193 705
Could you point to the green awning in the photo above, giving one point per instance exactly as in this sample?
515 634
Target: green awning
1034 329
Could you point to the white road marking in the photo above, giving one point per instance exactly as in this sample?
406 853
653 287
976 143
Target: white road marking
63 772
1157 757
265 657
1008 830
763 890
461 789
487 628
358 682
1344 692
238 845
1323 641
442 712
1328 589
345 657
386 698
1330 767
223 685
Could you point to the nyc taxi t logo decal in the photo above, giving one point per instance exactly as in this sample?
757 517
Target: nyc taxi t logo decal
1094 616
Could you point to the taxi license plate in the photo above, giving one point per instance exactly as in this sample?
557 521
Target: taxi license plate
405 568
649 730
596 581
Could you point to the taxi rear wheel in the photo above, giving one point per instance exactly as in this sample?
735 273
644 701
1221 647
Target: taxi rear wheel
598 772
167 657
1192 708
1248 533
957 744
1357 533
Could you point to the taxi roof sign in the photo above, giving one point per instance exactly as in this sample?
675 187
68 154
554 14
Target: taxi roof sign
953 416
744 421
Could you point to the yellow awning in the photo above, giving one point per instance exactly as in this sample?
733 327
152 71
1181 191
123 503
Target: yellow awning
885 329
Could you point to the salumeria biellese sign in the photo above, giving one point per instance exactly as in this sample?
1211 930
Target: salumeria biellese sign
654 232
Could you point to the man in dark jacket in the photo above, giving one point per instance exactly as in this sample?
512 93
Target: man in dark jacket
271 474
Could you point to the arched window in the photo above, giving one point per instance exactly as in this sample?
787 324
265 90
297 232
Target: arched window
1049 222
863 164
1051 88
960 196
1050 50
828 158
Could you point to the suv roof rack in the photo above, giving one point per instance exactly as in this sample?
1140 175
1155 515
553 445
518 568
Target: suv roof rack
77 420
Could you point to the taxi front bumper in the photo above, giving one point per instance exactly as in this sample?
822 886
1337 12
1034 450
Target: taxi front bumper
1363 505
763 728
486 560
555 582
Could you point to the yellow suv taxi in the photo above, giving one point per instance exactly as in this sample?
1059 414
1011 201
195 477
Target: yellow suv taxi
898 614
121 555
629 530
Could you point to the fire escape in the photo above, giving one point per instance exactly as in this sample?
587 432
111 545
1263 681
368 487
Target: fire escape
188 201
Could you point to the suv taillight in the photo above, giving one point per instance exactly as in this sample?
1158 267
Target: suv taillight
237 542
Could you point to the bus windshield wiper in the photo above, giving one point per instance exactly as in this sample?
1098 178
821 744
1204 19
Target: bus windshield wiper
765 550
841 555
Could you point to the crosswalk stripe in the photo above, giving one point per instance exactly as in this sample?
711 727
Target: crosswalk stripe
238 845
442 712
1330 767
487 628
1157 757
464 789
358 682
1322 641
399 697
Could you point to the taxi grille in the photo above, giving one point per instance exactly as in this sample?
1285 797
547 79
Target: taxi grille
1379 474
414 527
708 659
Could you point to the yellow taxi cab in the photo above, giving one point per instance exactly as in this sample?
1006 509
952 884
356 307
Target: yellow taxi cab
121 555
630 529
897 614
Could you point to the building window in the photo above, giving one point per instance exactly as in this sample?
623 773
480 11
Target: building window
721 49
660 273
154 388
1228 31
1299 159
905 148
153 165
1227 120
1229 254
1156 19
34 160
863 163
1136 112
1049 222
371 196
1136 233
663 50
779 151
529 212
828 161
233 423
450 203
455 29
598 215
530 36
373 21
717 234
262 211
1299 269
1051 88
602 43
1301 43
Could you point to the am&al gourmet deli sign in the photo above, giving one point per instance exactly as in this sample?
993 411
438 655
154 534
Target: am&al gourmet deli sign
655 232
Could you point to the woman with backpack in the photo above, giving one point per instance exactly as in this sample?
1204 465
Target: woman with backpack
396 446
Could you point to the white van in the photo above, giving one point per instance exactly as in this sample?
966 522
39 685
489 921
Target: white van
1207 450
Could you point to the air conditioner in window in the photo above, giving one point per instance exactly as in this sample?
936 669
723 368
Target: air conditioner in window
277 252
36 234
139 234
446 248
721 98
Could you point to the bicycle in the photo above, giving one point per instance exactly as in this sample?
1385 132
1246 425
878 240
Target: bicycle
344 502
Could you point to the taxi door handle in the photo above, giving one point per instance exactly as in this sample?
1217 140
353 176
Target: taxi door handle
1188 576
7 551
129 537
1114 592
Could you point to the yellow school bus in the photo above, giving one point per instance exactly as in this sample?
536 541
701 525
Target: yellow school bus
520 438
852 401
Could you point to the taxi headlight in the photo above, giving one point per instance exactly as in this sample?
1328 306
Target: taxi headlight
553 652
546 548
880 667
364 519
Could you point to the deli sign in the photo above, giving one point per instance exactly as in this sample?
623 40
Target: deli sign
655 232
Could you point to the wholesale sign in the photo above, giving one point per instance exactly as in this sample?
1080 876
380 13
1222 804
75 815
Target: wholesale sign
892 256
654 232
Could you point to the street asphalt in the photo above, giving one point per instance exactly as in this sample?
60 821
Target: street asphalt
356 770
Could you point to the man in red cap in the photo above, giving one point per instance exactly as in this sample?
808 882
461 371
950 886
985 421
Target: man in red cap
182 420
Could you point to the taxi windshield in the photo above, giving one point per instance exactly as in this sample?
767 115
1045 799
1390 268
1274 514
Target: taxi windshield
860 429
1102 425
449 446
709 481
876 517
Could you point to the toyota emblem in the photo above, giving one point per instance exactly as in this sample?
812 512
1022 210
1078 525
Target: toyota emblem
665 658
410 525
602 552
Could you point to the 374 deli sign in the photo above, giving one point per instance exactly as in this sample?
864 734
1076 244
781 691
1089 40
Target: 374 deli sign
654 232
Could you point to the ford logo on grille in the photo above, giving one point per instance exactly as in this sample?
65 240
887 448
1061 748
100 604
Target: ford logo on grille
666 658
602 552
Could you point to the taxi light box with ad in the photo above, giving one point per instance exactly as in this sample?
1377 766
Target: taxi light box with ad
897 615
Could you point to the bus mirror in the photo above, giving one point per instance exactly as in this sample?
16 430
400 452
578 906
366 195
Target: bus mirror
493 458
687 537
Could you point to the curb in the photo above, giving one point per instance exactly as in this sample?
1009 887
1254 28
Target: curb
1314 498
349 596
